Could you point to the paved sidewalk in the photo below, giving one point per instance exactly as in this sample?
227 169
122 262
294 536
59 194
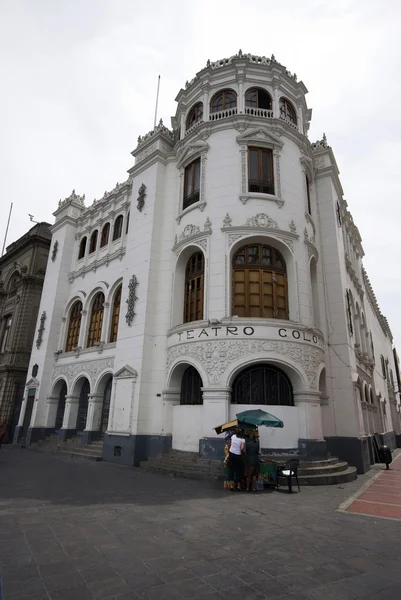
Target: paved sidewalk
72 530
382 496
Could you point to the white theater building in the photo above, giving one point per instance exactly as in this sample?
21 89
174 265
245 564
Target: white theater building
224 274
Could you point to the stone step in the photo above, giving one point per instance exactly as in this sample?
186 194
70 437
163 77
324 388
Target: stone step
350 474
82 455
324 470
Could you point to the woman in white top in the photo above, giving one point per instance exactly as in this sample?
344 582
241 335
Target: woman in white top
237 447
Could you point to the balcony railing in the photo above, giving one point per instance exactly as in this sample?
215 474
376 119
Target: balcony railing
290 123
259 112
261 187
192 199
193 126
223 114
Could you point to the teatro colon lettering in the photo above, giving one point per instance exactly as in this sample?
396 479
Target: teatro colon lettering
225 272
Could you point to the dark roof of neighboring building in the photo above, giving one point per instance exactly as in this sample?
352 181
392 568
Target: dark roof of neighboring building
38 231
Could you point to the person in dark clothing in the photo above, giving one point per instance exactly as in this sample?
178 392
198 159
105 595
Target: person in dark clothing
237 447
252 465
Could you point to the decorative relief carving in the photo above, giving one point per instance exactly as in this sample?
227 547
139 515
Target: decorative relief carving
41 329
93 368
54 251
262 220
141 197
293 227
73 197
227 221
189 231
129 317
202 179
208 225
216 356
233 237
278 179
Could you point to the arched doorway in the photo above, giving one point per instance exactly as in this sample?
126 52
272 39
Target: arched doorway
191 388
61 406
104 419
83 406
262 384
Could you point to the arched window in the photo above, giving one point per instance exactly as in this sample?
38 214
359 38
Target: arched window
223 101
195 115
259 283
93 242
191 384
127 223
104 239
257 98
115 315
287 111
262 384
192 183
118 228
366 394
308 194
82 248
194 287
96 320
74 325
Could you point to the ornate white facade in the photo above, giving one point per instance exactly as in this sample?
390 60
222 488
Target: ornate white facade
192 191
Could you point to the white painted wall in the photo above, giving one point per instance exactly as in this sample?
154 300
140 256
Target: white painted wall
271 437
187 427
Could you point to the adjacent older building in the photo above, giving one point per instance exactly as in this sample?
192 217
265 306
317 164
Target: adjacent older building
22 273
224 272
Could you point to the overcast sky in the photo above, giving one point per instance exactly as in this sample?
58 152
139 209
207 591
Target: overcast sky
79 77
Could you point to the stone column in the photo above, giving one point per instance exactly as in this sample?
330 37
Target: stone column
216 402
70 417
276 103
206 108
240 99
312 444
95 405
51 411
171 398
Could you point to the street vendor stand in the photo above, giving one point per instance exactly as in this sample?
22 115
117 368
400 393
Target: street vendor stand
249 421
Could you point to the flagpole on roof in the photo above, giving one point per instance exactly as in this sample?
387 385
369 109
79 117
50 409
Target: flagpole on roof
157 100
8 223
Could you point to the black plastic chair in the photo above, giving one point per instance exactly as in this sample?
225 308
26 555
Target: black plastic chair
288 471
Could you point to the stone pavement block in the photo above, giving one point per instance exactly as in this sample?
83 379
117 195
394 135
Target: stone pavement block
222 581
245 592
392 593
97 573
23 589
63 581
57 568
177 574
163 592
193 588
71 594
18 574
110 587
139 582
202 568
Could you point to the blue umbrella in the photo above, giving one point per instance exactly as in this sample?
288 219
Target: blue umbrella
258 417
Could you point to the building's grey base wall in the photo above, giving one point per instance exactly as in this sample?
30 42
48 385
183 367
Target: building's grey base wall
17 433
351 449
64 434
312 449
34 435
398 439
212 448
132 449
279 452
389 439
